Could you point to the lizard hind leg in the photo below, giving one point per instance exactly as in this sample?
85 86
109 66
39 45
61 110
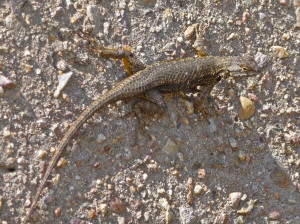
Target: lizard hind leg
154 105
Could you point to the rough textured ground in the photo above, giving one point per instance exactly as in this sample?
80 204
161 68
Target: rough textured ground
180 168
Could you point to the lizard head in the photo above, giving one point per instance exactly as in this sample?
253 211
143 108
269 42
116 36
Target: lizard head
242 65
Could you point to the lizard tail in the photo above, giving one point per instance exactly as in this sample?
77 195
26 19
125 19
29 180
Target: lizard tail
124 89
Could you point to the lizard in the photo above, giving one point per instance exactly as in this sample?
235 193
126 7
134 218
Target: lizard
152 80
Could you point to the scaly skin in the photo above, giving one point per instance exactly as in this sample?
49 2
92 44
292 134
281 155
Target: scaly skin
183 74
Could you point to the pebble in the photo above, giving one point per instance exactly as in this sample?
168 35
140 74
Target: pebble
106 26
61 162
62 65
93 13
279 177
57 211
297 12
261 59
116 204
201 173
188 106
103 209
279 52
41 154
6 83
49 199
121 220
248 209
170 148
235 198
253 97
187 214
164 203
245 17
275 214
197 189
233 143
167 17
283 2
169 216
247 30
152 166
92 214
188 33
248 108
62 82
212 126
101 138
161 191
242 155
3 50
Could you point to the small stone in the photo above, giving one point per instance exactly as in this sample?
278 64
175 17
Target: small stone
3 50
248 108
57 212
57 12
233 143
247 30
189 31
197 189
93 13
116 205
189 107
292 201
248 209
62 82
103 209
167 17
253 97
187 214
164 203
121 220
261 59
61 162
180 39
38 71
137 204
279 52
169 216
170 148
106 26
62 65
21 160
1 202
41 154
201 173
6 83
283 2
145 176
122 4
275 214
235 198
245 17
279 177
297 25
152 166
49 199
242 156
92 214
101 138
161 191
212 125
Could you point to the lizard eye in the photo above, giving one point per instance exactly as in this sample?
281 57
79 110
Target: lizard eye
245 69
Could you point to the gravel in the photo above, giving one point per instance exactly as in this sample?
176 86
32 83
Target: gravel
255 155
